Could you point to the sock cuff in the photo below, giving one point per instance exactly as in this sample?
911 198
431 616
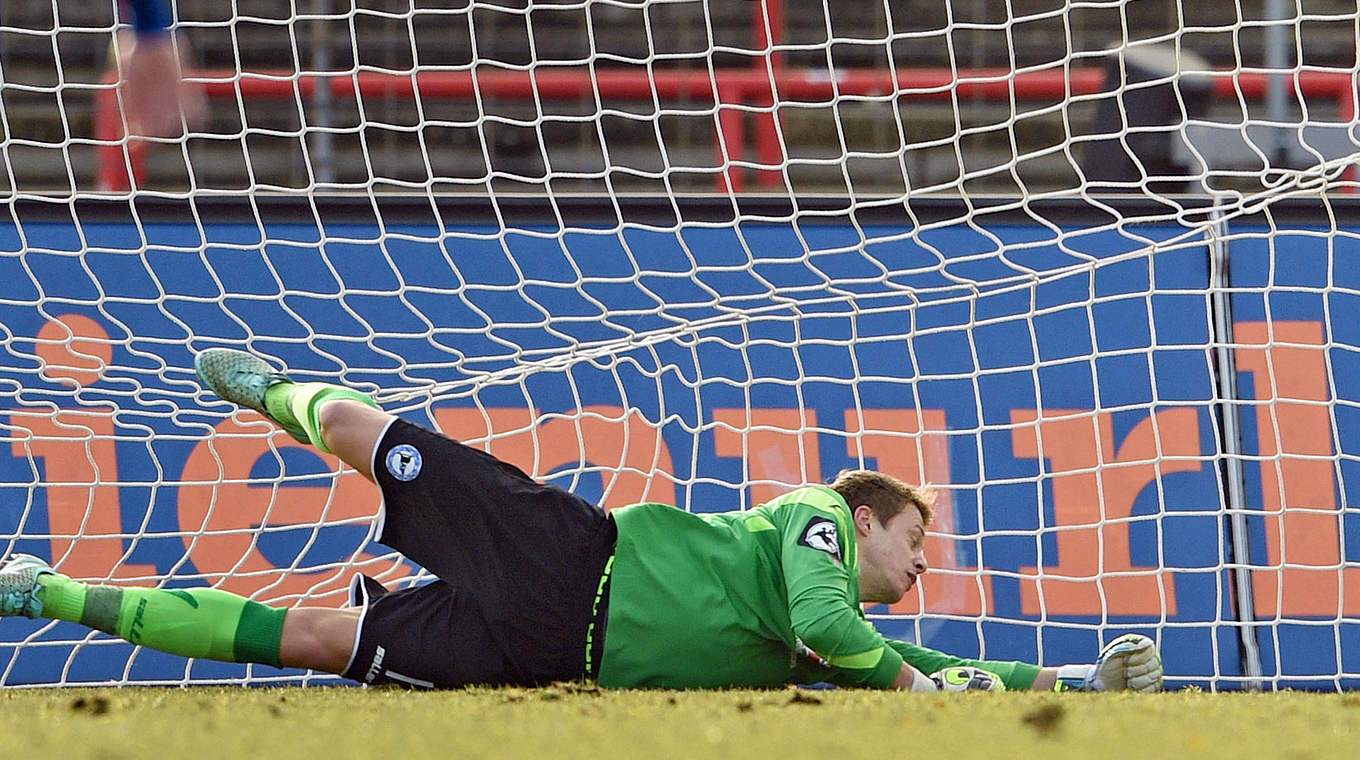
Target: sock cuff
306 400
259 634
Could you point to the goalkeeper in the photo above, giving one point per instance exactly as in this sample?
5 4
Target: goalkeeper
537 585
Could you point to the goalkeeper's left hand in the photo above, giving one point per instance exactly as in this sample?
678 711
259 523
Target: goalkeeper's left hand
967 678
1130 662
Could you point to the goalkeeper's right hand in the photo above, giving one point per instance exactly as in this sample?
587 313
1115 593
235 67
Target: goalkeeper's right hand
1129 662
967 678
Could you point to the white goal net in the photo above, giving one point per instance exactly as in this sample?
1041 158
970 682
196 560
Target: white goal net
1091 270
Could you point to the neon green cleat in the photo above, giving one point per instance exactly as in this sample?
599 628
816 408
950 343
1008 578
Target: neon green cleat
242 378
19 585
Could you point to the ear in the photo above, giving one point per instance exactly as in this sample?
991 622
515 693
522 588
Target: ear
863 517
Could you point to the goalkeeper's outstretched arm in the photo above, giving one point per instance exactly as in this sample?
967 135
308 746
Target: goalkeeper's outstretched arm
1129 662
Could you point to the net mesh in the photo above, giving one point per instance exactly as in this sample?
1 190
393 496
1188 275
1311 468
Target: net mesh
700 253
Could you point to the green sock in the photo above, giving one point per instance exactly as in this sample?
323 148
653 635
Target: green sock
192 622
296 405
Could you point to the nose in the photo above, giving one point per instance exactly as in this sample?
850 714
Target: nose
918 563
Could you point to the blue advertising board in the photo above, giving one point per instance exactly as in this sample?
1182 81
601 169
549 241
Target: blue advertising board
1062 396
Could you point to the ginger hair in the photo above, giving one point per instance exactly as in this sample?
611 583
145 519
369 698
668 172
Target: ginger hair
885 495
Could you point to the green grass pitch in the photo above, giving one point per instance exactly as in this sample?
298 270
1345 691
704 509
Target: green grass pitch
579 722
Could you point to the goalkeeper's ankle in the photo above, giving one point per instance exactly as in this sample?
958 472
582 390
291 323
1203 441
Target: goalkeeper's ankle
61 597
276 404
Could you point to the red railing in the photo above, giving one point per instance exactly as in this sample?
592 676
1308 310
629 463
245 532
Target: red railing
738 93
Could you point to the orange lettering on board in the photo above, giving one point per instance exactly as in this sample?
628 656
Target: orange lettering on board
1094 489
220 509
914 447
1303 526
625 447
84 514
778 446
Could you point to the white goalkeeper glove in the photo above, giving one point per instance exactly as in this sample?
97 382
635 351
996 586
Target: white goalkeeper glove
1130 662
967 678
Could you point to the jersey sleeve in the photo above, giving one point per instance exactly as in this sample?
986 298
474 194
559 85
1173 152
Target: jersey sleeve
1016 675
821 612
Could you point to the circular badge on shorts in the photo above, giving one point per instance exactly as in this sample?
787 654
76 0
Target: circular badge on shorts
403 462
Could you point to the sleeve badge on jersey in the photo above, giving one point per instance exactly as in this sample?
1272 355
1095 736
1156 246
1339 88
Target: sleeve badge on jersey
820 534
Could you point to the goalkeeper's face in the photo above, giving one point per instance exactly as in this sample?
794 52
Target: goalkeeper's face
891 555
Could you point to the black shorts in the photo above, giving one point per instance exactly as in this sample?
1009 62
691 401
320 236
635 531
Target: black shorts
519 566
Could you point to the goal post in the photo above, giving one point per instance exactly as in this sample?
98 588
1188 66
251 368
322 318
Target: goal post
668 260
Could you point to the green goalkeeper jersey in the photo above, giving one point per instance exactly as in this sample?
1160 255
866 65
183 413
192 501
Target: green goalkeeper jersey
757 598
